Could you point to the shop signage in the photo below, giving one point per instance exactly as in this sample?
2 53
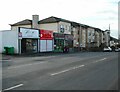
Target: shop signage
59 36
68 37
46 35
29 33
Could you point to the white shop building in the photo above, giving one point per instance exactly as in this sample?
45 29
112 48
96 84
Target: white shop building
27 40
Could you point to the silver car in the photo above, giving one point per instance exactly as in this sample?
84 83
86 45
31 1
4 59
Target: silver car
107 49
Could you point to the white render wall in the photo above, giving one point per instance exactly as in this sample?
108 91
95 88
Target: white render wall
75 37
101 37
10 39
83 37
15 28
98 39
106 38
49 26
90 34
67 27
55 27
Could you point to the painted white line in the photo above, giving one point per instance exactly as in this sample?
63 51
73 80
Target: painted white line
66 70
26 65
13 87
100 60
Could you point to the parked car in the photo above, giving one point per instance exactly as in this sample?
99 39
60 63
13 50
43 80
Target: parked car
117 49
107 49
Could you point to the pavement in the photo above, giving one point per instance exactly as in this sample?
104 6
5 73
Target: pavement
76 71
8 57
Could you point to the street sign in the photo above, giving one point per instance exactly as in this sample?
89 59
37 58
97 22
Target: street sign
20 35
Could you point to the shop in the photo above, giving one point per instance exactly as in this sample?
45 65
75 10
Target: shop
28 40
46 41
69 40
59 40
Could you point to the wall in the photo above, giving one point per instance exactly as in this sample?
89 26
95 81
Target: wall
106 38
112 43
101 37
90 34
67 27
83 37
75 37
10 40
15 28
49 26
97 39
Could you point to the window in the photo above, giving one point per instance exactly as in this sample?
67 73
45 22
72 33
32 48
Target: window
66 28
61 28
72 32
89 33
69 28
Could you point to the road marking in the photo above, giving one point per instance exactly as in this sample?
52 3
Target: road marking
66 70
13 87
26 65
100 60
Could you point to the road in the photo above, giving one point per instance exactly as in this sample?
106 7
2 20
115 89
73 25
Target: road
78 71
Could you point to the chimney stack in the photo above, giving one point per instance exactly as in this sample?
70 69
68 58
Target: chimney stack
35 19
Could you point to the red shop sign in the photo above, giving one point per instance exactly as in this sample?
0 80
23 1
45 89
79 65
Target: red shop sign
46 35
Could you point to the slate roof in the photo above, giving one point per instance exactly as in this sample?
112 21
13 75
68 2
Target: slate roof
24 22
52 19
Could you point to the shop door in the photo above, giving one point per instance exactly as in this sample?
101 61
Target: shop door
29 45
34 45
23 45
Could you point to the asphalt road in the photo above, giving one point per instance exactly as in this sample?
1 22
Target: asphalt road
79 71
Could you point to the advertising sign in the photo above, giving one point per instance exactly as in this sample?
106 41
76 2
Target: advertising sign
59 36
46 35
29 33
68 37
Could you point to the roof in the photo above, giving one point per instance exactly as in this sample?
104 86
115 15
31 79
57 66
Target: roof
74 24
114 39
23 22
52 19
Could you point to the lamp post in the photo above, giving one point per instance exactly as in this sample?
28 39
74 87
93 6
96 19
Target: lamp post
109 36
119 21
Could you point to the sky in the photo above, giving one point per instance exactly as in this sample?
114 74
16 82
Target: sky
96 13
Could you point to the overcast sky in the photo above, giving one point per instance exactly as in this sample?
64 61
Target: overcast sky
96 13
